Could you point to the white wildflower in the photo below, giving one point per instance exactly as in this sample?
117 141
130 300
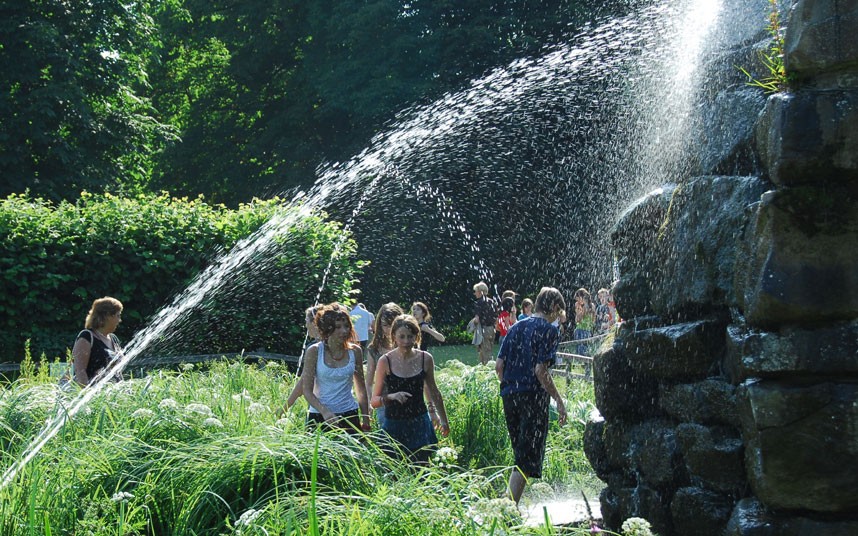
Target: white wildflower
637 526
168 403
445 457
121 496
282 423
201 409
247 520
143 413
212 422
257 408
187 367
242 396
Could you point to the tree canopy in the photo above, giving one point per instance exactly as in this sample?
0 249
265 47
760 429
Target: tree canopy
234 100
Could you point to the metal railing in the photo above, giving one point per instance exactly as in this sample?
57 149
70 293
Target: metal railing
569 361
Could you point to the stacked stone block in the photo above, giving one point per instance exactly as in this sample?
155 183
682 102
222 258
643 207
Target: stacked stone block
730 397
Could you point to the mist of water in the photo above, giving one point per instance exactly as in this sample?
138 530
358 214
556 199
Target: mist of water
552 148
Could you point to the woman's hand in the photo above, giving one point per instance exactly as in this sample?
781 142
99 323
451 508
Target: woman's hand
364 423
399 396
443 427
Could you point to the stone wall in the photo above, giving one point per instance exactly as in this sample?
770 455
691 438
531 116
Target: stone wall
730 397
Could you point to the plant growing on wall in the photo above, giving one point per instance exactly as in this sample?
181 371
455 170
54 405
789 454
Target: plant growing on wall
775 77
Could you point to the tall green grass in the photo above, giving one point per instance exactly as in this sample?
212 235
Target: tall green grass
204 452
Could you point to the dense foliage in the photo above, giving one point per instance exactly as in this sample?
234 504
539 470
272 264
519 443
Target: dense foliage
57 258
234 100
204 452
244 100
72 111
266 91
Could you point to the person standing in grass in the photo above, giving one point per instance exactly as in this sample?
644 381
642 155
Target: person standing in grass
485 317
585 319
382 342
526 309
407 375
526 386
313 337
333 367
362 320
506 317
420 311
96 347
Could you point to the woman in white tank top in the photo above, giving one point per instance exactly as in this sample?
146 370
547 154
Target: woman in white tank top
333 379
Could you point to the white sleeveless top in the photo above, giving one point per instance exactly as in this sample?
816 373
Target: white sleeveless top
333 386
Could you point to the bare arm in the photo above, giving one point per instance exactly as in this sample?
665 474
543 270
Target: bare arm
308 382
360 388
80 353
436 398
378 383
547 383
437 335
499 363
370 372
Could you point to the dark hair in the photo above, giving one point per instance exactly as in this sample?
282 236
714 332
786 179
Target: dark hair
100 310
386 314
408 322
507 304
327 318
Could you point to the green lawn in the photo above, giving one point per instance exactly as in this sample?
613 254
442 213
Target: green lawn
465 353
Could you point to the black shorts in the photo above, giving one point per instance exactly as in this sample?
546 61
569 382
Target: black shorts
348 421
527 423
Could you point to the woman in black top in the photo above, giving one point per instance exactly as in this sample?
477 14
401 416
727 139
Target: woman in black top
403 373
424 319
96 346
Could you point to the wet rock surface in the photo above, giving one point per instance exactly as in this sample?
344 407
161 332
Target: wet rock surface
828 350
751 518
711 401
700 512
802 444
730 396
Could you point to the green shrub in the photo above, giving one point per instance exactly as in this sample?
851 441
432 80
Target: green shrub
55 259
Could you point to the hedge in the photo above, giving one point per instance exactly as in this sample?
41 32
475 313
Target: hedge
144 250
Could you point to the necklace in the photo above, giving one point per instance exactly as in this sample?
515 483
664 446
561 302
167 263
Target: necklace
336 357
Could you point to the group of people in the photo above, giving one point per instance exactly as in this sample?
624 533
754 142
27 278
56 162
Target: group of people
398 383
492 321
384 366
528 348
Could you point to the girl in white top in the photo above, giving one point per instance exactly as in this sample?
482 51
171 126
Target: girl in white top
332 368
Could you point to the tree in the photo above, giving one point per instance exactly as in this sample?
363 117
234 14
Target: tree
263 92
72 114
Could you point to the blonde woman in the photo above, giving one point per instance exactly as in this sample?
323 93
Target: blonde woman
96 347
